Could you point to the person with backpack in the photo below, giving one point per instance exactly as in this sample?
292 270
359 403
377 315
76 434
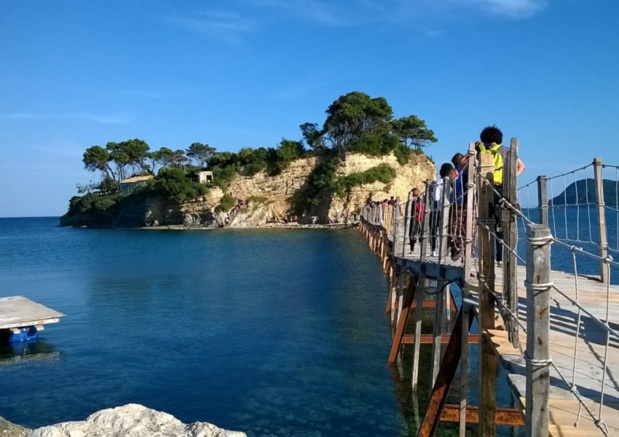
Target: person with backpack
417 216
491 139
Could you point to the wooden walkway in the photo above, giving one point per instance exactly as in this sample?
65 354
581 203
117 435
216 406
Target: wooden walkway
564 340
557 335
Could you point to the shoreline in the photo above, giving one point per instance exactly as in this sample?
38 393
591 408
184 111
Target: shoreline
267 226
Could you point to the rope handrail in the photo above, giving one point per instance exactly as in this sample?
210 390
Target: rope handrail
577 229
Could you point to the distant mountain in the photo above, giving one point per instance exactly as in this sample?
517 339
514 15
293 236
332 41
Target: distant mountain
583 191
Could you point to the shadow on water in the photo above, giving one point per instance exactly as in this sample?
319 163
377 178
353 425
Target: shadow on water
25 351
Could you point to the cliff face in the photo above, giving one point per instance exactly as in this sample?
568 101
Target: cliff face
272 197
269 197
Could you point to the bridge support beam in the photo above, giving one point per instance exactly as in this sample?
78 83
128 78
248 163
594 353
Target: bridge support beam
445 375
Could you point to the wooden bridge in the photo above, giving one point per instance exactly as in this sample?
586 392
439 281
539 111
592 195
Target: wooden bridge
555 333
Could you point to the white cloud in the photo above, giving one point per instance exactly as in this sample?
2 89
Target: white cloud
508 8
323 13
221 24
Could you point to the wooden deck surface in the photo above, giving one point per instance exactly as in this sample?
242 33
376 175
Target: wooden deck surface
21 312
568 345
578 352
580 357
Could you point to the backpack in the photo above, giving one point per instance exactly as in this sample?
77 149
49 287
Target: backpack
497 159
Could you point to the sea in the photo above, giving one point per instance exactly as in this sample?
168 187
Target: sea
270 332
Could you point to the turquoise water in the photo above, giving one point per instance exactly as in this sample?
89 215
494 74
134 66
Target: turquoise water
274 333
267 332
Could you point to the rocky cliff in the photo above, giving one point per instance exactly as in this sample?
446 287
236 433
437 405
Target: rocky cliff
267 198
272 197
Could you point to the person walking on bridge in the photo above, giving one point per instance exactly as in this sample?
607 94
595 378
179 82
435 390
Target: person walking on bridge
491 139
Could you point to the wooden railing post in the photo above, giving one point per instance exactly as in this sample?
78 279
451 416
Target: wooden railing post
487 360
421 286
538 327
408 214
443 230
425 233
471 213
395 228
542 199
510 229
602 237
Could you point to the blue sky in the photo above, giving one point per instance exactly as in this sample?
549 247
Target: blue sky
246 73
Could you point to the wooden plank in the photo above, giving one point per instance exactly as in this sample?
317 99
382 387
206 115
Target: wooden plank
429 338
498 339
504 416
21 312
564 415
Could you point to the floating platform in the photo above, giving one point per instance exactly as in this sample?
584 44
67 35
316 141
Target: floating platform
21 319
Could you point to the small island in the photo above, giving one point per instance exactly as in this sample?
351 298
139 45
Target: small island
361 152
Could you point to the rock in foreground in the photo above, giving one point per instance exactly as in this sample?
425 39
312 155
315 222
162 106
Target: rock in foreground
132 420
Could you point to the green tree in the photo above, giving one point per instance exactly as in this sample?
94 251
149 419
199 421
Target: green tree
179 160
97 158
162 158
313 137
200 153
253 160
137 151
280 158
354 114
176 185
109 186
222 159
412 132
128 155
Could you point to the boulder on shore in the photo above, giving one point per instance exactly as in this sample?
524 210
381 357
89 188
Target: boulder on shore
132 420
8 429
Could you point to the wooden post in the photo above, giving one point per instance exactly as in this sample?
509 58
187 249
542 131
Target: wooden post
437 330
542 199
464 366
423 238
401 327
510 229
538 327
470 214
487 360
395 228
421 286
443 229
602 237
407 225
392 299
400 301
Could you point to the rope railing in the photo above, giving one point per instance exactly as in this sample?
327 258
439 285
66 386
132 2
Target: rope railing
581 334
444 221
573 217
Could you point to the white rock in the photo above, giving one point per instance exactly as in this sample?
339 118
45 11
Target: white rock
132 420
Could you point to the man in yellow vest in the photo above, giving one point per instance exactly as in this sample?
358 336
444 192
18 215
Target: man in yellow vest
491 138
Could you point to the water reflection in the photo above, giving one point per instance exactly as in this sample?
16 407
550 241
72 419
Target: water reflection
18 352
